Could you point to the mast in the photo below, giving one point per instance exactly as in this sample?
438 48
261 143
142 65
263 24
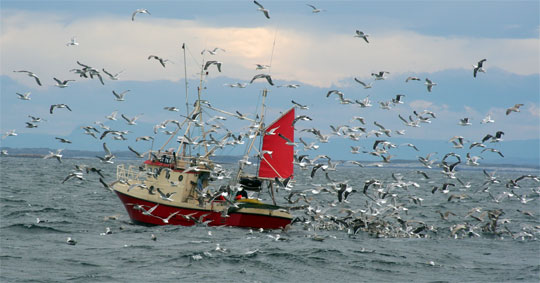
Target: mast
185 77
259 129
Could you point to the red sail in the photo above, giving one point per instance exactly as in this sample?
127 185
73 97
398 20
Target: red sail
280 162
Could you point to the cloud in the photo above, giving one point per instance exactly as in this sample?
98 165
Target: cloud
315 57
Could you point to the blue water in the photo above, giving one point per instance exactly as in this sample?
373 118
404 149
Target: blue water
318 250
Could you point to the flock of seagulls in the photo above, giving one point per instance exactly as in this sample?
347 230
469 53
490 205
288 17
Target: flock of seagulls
386 202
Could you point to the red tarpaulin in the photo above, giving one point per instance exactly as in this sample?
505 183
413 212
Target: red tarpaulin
280 162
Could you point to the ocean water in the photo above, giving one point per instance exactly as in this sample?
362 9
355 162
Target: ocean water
315 250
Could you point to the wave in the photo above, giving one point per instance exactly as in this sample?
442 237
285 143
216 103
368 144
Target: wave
32 228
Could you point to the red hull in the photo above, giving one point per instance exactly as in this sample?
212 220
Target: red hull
213 218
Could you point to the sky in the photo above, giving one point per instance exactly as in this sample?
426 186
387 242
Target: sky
439 40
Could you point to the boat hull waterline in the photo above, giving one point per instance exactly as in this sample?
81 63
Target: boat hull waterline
246 217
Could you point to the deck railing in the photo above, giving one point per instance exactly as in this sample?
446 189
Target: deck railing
131 173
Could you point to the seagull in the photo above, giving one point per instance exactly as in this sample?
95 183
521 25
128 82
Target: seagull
131 121
161 60
112 117
366 86
58 106
120 96
171 108
262 9
30 74
315 10
429 84
62 140
111 76
144 138
108 155
464 122
25 96
166 196
514 108
209 63
73 42
142 11
212 52
31 125
478 67
71 241
262 67
412 79
303 107
380 75
78 175
56 155
361 34
267 77
487 120
10 133
136 153
290 86
62 84
397 100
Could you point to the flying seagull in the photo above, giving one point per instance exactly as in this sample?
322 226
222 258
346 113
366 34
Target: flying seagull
24 96
514 108
363 83
62 84
161 60
58 106
478 67
212 52
111 76
380 75
429 84
119 96
209 63
361 34
315 10
73 42
262 9
412 79
142 11
267 77
30 74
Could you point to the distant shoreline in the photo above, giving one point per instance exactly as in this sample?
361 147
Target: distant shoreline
232 159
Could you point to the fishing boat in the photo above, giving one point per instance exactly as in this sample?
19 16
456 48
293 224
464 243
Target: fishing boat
178 188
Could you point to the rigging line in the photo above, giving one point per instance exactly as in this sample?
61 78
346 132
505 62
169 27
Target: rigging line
272 54
193 57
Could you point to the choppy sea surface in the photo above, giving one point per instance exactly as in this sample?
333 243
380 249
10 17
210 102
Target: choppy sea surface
315 249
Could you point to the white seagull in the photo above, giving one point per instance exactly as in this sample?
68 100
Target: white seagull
10 133
212 52
361 34
62 84
142 11
366 86
514 108
314 9
112 117
73 42
30 74
267 77
262 9
58 106
111 76
25 96
120 96
478 67
429 84
131 121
